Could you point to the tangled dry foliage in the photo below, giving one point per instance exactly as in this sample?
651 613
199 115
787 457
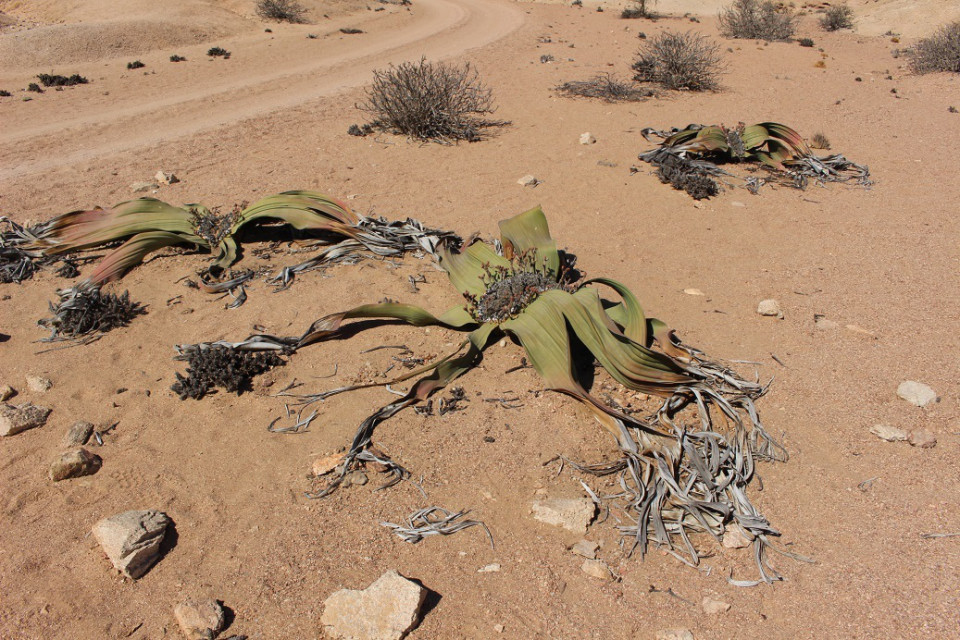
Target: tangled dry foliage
839 16
682 61
430 101
606 87
939 52
753 19
282 11
224 367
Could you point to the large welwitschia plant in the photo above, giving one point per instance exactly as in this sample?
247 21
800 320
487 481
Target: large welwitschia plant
685 467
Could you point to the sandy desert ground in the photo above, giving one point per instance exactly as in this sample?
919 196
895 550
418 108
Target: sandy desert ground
880 263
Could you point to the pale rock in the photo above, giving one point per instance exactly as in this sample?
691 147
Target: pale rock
166 177
200 619
858 329
923 439
143 187
674 634
916 393
888 433
498 628
595 569
694 292
825 325
770 307
490 568
78 434
735 537
17 418
132 539
386 610
7 392
323 466
737 203
528 181
586 549
587 138
39 384
573 514
712 606
355 479
74 463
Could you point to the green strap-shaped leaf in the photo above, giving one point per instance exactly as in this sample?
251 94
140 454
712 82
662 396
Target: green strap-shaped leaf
132 252
527 231
628 313
468 268
329 326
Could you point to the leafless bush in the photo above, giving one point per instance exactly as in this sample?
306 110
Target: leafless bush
680 61
837 17
939 52
605 87
430 101
757 20
281 11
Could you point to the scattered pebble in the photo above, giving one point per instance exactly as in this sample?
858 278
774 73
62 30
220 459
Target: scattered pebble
528 181
916 393
735 537
694 292
712 606
78 434
573 514
587 138
498 628
855 328
737 203
143 187
770 307
17 418
825 325
923 439
323 466
38 384
74 463
166 177
674 634
595 569
355 479
200 619
132 540
386 610
586 549
888 433
490 568
7 392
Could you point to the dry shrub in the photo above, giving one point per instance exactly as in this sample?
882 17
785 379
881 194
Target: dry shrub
939 52
430 101
224 367
837 17
757 20
281 11
606 87
819 141
680 61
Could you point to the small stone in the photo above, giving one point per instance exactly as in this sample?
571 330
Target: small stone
323 466
674 634
166 177
573 514
7 392
490 568
888 433
38 384
143 187
17 418
498 628
74 463
586 549
770 307
78 434
355 479
200 619
735 537
694 292
528 181
712 606
587 138
595 569
737 203
855 328
923 439
916 393
823 324
386 610
132 540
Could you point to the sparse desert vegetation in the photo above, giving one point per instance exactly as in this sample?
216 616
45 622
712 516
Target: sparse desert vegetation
607 87
136 64
683 61
218 52
282 11
839 16
939 52
758 20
